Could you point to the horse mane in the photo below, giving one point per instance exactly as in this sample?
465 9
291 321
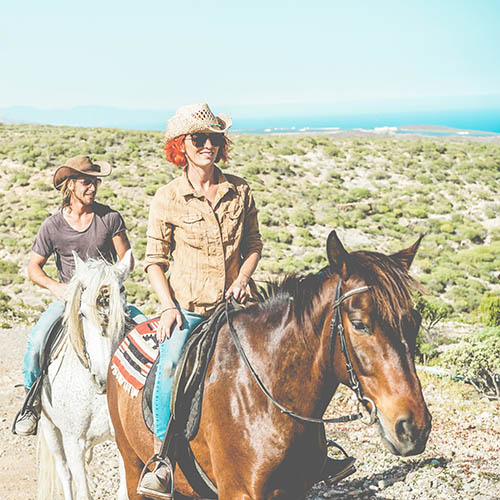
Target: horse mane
391 286
295 288
98 272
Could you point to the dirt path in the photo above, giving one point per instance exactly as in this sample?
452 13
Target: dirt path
462 459
18 472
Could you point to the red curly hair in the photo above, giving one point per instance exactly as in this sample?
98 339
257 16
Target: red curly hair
174 154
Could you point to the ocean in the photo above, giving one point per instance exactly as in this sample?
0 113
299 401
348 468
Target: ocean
452 122
475 122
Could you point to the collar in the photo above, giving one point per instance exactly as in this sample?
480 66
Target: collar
186 189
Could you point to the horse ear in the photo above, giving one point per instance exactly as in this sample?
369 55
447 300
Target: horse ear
407 255
80 267
124 267
337 254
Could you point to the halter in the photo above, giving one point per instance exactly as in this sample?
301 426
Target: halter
336 325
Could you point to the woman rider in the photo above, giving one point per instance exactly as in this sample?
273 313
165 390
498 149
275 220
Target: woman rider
203 229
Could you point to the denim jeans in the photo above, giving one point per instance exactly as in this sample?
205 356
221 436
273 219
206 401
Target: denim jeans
170 353
31 366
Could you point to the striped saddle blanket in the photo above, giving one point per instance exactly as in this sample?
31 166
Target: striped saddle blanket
135 356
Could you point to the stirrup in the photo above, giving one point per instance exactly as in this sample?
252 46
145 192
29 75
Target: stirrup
154 494
19 414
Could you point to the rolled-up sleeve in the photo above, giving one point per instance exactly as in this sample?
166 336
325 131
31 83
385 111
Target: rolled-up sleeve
252 240
159 233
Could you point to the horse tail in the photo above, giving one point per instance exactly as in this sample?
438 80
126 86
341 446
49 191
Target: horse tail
49 486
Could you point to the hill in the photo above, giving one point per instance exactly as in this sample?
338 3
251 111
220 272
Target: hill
380 193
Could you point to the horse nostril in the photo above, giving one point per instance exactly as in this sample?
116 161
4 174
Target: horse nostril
405 428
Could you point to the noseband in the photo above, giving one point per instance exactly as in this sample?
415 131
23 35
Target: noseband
336 325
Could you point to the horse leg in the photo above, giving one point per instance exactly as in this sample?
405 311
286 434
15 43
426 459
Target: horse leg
51 440
122 494
132 468
75 453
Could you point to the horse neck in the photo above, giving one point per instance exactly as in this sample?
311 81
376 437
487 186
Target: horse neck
303 362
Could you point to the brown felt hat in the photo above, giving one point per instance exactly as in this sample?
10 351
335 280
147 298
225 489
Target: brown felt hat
81 165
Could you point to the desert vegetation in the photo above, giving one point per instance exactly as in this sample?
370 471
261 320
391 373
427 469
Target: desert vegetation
380 193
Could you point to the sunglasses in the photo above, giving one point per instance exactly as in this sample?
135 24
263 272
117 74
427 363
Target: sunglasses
87 181
200 139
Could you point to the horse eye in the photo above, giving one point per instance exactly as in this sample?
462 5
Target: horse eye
360 326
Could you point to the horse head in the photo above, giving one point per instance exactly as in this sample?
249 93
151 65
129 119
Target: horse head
95 313
380 328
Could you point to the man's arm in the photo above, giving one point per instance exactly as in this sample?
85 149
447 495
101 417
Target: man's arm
122 244
40 277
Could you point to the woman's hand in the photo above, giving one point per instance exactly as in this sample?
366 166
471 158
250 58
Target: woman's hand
239 290
168 319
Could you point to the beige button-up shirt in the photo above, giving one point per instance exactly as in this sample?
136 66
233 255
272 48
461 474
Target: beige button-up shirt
202 247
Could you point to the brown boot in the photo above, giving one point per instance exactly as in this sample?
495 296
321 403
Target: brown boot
336 470
156 484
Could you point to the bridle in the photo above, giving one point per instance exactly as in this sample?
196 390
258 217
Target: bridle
337 325
86 361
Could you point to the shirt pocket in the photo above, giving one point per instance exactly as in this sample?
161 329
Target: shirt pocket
233 220
193 230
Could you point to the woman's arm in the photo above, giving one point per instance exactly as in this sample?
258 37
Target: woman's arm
251 249
169 314
239 288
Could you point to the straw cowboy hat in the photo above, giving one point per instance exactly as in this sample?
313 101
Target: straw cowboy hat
81 165
196 118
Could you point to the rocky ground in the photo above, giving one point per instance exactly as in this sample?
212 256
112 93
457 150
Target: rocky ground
461 460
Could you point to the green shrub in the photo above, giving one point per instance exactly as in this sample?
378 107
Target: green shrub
477 361
489 309
432 312
303 217
9 273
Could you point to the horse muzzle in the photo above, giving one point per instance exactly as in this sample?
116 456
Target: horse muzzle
405 437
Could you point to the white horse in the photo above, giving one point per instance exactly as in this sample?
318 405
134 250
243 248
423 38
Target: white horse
74 409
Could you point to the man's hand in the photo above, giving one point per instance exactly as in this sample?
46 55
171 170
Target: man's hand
168 319
59 291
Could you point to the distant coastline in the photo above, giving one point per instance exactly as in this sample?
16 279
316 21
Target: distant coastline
478 123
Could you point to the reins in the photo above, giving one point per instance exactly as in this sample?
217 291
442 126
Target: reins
336 325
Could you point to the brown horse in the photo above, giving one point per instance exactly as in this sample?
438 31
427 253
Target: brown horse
246 445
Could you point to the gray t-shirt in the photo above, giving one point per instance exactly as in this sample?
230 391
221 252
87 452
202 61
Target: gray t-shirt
57 236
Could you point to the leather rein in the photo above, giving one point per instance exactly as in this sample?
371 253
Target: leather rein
337 326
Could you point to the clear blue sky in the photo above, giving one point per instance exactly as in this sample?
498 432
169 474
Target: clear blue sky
161 54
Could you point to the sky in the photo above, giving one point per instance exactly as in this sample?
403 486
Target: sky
257 54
